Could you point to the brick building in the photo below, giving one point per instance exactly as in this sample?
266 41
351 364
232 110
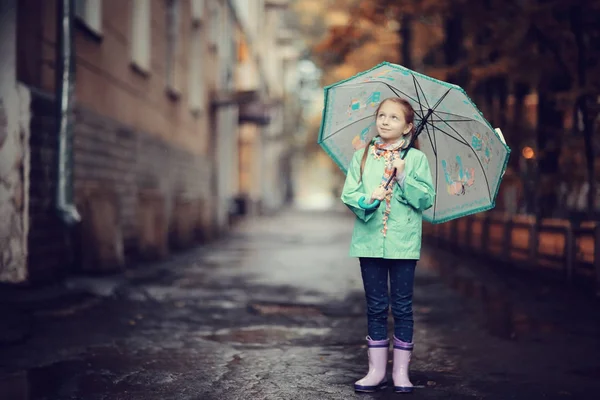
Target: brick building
140 154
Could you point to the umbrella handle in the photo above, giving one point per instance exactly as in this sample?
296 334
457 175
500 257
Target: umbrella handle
366 206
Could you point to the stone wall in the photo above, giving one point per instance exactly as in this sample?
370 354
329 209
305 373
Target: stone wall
14 128
138 195
14 132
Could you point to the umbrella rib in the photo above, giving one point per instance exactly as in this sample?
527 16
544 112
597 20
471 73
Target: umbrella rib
416 83
455 131
441 99
437 169
393 89
433 146
460 120
417 92
476 157
346 126
396 90
450 120
432 110
438 113
463 141
451 127
454 115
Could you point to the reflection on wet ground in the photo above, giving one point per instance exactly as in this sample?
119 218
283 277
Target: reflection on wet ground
268 334
285 309
270 315
104 372
496 311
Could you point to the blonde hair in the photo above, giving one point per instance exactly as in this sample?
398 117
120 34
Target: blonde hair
409 117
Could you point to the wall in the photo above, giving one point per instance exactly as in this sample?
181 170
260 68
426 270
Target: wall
47 238
111 157
275 153
112 87
141 170
224 144
14 159
250 165
227 161
110 160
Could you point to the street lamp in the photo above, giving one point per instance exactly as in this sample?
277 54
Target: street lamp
527 167
528 153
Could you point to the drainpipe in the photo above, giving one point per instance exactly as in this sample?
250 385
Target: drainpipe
64 87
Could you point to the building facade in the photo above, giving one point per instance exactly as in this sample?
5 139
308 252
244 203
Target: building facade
120 129
265 159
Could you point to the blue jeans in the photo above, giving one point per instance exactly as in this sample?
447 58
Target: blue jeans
375 273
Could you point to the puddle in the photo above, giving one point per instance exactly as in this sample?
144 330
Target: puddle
263 334
430 379
107 373
498 315
41 383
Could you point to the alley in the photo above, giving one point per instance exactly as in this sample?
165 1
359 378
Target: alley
276 311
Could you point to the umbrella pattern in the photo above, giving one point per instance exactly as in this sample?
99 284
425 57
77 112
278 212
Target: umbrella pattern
467 156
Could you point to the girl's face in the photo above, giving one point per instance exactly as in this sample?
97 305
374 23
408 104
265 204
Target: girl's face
391 122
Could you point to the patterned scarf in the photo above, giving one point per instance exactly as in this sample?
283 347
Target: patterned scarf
390 152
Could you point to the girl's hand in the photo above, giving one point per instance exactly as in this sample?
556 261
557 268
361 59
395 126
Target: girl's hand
399 165
378 194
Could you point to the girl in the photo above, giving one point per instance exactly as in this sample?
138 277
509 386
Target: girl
387 240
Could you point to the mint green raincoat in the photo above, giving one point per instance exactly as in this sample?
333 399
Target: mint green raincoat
403 239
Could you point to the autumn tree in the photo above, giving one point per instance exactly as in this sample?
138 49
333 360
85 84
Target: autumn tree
497 49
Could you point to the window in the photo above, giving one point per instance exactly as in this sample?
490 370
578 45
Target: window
196 74
140 35
197 11
89 13
227 50
172 46
214 22
243 10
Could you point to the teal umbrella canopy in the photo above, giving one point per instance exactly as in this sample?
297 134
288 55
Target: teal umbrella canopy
466 155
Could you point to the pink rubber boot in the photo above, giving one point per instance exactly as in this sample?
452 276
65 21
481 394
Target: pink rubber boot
376 378
402 353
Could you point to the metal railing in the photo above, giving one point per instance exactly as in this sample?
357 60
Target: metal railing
572 252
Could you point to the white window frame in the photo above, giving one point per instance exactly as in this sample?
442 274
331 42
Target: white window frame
197 91
173 45
227 49
198 11
141 35
214 22
89 13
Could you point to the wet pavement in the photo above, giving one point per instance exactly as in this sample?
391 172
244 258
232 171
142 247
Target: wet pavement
276 311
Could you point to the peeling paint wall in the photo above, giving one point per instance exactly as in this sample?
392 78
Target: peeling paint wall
14 139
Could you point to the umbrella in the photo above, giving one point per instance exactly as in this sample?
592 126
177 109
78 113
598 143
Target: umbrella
466 155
